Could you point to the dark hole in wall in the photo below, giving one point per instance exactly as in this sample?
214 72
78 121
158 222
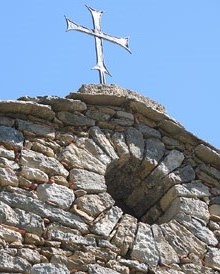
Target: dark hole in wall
130 191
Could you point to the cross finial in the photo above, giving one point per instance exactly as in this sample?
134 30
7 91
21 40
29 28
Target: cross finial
99 36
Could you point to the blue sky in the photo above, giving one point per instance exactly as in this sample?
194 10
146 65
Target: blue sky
175 53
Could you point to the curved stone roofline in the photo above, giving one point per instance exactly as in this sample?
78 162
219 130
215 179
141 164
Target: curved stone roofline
45 107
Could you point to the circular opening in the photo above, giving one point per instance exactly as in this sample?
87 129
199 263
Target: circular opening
127 184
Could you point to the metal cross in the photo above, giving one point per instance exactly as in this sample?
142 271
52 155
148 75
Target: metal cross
99 36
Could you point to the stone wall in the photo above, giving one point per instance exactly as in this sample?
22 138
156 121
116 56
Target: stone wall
104 181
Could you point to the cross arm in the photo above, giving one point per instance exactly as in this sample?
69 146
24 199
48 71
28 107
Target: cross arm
123 42
73 26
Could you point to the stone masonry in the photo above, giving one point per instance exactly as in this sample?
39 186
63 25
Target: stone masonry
105 182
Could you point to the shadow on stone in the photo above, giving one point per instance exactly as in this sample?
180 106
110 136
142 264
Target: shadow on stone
130 191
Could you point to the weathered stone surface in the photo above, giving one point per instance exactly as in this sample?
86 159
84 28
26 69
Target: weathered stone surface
64 138
115 265
59 104
171 143
13 264
89 181
6 121
213 225
105 225
97 115
186 174
30 255
30 221
198 228
152 190
43 210
61 228
9 235
172 161
21 191
215 173
106 109
148 132
104 255
118 139
8 177
124 114
104 243
122 122
146 198
207 179
212 258
110 125
135 142
75 157
28 108
70 239
48 165
166 252
37 129
144 248
190 190
154 151
9 164
94 204
188 138
167 271
182 240
9 250
93 149
72 262
145 120
197 269
32 239
125 234
100 138
172 194
9 154
112 95
197 189
43 148
171 126
8 215
25 183
208 155
152 215
34 174
74 119
97 269
58 195
156 113
194 207
135 265
215 209
60 180
49 269
11 138
215 200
